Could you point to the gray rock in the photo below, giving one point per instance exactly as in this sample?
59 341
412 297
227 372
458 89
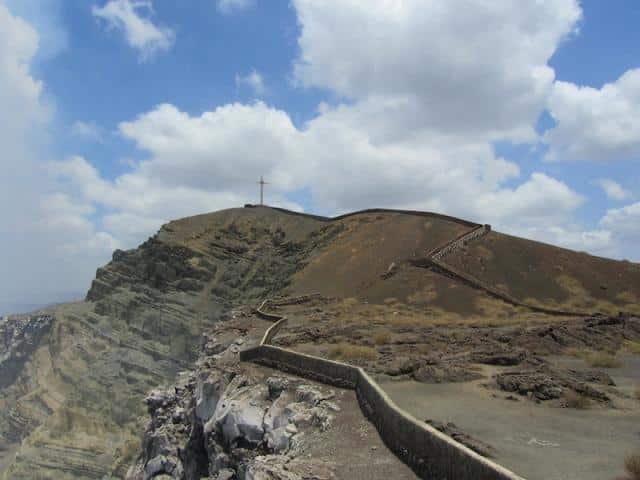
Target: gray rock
240 412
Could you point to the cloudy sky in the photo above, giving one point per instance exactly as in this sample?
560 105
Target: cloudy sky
119 115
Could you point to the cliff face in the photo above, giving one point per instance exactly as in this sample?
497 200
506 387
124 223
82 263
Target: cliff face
72 388
19 337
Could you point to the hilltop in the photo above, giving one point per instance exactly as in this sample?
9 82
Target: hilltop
73 406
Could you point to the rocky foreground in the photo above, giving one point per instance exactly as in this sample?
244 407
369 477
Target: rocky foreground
225 421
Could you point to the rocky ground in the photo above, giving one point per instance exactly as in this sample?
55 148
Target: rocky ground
229 420
411 348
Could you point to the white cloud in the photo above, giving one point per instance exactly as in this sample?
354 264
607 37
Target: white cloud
425 101
229 6
201 163
252 80
37 227
625 222
539 201
473 68
45 16
87 130
140 32
596 124
613 189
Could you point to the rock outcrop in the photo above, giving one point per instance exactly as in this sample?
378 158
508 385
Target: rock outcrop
225 421
20 335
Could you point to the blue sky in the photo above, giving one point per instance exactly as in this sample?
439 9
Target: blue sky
128 113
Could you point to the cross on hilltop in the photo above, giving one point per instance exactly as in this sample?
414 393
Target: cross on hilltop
262 183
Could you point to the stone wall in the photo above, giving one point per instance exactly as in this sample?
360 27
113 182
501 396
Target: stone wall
461 240
444 269
430 453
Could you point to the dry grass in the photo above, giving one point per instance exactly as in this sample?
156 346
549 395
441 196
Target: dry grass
632 465
381 337
575 400
633 347
595 359
627 297
345 351
420 297
636 393
602 360
576 352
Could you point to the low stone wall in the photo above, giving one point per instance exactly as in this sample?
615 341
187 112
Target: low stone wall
272 331
462 239
315 368
430 453
467 279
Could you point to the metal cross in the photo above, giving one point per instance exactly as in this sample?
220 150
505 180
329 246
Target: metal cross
262 183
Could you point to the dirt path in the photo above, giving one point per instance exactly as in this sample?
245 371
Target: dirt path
352 445
537 442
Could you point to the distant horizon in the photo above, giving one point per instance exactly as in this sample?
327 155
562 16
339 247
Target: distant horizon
22 308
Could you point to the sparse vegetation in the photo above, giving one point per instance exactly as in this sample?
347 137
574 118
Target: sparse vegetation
602 360
633 347
632 465
382 337
575 400
627 297
576 352
595 359
345 351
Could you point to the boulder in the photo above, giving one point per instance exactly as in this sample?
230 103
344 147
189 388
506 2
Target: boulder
238 417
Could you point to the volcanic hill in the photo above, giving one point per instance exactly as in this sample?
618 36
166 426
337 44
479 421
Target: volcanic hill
390 283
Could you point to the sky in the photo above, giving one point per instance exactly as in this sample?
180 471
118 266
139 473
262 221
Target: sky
120 115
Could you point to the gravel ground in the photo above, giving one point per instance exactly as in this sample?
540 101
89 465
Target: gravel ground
536 441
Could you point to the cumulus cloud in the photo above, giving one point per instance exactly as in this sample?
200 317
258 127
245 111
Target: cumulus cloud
613 189
625 222
473 68
596 124
45 16
252 80
140 32
38 226
229 6
200 163
424 103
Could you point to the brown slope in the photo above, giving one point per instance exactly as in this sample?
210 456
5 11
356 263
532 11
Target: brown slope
352 265
549 275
